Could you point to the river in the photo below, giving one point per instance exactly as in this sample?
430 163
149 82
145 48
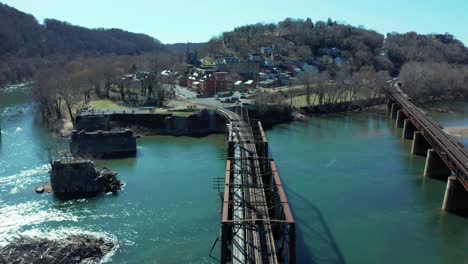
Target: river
357 194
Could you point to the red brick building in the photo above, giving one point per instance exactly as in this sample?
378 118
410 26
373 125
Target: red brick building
214 83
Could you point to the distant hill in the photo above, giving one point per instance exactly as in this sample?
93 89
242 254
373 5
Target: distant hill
22 36
321 42
26 45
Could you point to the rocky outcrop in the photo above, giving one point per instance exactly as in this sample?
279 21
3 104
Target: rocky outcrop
108 180
72 250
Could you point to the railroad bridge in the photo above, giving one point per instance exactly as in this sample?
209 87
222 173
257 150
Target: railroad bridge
257 225
446 158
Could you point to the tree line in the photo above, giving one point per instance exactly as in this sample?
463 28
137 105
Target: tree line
426 81
64 86
327 89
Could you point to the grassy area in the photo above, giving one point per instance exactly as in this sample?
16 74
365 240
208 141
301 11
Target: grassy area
300 101
180 113
111 105
106 105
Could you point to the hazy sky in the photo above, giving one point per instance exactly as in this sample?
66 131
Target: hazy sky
198 20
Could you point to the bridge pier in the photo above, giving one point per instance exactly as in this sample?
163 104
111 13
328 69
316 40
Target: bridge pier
420 144
435 167
408 129
456 197
400 118
393 111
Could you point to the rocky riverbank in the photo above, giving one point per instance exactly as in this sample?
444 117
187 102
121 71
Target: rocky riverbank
71 250
458 132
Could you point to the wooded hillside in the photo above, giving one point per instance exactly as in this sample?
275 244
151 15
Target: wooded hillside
26 45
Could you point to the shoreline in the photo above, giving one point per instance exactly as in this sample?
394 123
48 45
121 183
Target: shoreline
272 116
269 118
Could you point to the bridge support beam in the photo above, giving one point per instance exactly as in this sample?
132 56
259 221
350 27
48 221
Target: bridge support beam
456 197
224 243
400 118
435 167
393 111
389 106
408 129
230 152
420 144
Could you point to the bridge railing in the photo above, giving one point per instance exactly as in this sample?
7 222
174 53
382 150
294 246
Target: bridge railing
285 230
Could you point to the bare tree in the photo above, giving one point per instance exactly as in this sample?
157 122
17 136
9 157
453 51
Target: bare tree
307 80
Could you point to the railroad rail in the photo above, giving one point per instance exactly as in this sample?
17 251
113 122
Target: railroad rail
256 222
452 152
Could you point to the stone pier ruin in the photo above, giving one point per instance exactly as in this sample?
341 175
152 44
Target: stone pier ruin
103 144
75 178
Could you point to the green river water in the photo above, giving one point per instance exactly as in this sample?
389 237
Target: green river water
357 194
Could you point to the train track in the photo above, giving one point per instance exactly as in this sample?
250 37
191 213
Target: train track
449 149
253 240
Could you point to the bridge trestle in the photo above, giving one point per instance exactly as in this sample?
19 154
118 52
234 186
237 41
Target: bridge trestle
257 225
446 158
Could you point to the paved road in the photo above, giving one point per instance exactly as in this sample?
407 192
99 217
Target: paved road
210 101
184 92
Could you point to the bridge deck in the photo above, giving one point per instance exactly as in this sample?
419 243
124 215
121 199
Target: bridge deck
247 204
449 149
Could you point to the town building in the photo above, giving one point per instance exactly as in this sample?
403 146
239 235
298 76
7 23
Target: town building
270 83
213 83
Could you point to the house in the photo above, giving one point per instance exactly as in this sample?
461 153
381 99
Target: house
249 85
339 60
310 68
182 80
168 77
196 85
277 60
262 76
256 57
232 65
293 69
239 86
283 79
383 52
230 60
332 52
326 59
266 51
129 76
269 62
267 83
207 62
190 81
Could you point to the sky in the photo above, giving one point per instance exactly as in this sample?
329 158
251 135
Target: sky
173 21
